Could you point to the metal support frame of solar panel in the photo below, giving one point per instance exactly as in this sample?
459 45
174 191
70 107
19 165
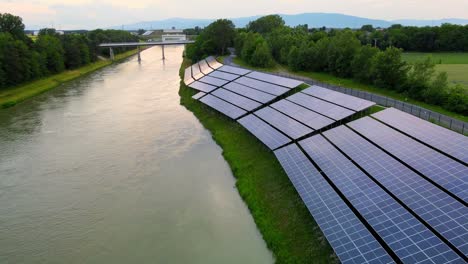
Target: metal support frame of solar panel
262 86
213 81
283 123
443 213
203 87
224 107
251 93
411 241
445 140
204 68
224 75
448 173
349 238
286 82
198 95
233 70
327 109
348 101
188 76
307 117
196 73
213 63
235 99
272 138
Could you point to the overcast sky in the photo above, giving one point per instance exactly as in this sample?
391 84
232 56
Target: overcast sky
89 14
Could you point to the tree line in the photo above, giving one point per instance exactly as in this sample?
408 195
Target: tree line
23 59
342 53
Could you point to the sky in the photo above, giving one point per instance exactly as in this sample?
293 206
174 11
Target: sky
91 14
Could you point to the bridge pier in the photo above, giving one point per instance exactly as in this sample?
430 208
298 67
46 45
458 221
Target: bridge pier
111 53
139 56
163 56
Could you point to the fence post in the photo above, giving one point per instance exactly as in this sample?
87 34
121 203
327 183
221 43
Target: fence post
419 112
429 118
451 123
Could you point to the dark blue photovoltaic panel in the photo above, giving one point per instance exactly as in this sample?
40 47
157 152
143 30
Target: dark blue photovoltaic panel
224 75
204 68
235 99
446 172
196 73
348 101
411 241
202 86
213 81
198 95
445 214
233 70
282 122
322 107
290 83
249 92
349 238
447 141
303 115
226 108
213 63
188 76
271 137
262 86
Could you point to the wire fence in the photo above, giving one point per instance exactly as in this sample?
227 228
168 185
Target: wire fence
434 117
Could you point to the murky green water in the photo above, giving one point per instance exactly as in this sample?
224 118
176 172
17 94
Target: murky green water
111 169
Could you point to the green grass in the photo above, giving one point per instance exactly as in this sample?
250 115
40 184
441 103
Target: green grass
283 220
11 96
438 57
350 83
457 73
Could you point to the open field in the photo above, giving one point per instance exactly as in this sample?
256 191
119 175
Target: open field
457 73
282 218
438 58
11 96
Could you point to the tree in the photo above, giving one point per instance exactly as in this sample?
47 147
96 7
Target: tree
51 50
362 63
419 77
341 51
436 92
262 55
13 25
222 33
141 31
388 69
368 28
457 100
266 24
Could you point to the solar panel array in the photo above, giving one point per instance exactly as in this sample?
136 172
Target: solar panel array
233 70
262 86
213 63
204 68
286 82
348 101
198 95
264 132
213 81
238 100
447 141
188 79
224 107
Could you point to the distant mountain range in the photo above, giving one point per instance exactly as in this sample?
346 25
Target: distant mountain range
312 19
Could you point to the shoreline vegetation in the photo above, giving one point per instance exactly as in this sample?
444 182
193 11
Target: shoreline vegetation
279 213
12 96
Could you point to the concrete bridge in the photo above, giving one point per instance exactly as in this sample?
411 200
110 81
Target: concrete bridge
140 44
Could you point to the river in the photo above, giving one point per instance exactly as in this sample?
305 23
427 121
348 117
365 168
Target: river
110 168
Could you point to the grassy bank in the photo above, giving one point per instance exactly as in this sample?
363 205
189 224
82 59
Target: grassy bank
11 96
282 218
350 83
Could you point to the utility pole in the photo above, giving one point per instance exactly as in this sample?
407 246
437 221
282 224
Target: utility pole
375 42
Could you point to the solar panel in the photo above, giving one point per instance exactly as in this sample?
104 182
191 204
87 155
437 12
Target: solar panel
349 238
202 86
198 95
264 132
226 108
445 214
213 81
282 122
322 107
446 172
262 86
249 92
447 141
348 101
303 115
204 68
224 75
411 241
290 83
188 76
213 63
233 70
235 99
196 73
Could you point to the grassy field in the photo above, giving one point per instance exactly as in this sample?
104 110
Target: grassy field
454 64
11 96
349 83
281 216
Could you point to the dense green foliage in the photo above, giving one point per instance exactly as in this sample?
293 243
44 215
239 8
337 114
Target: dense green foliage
23 60
342 54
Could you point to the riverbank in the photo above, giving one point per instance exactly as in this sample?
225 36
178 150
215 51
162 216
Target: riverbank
350 83
14 95
281 216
